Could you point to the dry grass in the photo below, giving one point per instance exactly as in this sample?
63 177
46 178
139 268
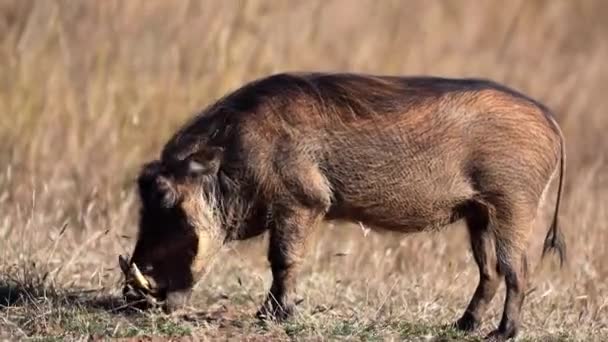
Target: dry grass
89 90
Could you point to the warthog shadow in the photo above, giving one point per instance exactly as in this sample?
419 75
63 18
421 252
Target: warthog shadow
15 294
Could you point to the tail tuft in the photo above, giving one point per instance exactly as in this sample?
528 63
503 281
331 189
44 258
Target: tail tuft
555 242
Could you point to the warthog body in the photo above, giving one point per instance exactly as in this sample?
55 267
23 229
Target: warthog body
284 153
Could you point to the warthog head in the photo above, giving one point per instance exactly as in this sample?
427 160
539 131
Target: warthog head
180 228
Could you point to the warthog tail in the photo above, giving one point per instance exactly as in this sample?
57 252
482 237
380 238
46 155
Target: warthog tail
554 241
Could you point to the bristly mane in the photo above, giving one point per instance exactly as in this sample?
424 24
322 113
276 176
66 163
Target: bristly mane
342 96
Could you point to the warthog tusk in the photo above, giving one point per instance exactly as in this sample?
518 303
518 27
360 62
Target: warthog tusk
139 278
124 265
133 270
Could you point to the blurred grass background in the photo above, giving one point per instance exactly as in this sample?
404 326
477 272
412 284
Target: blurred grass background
89 90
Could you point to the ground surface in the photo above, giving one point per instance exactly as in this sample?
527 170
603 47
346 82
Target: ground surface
91 90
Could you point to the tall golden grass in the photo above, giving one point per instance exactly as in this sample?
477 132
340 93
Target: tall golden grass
89 90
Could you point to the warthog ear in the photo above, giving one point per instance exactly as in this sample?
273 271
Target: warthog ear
205 162
154 188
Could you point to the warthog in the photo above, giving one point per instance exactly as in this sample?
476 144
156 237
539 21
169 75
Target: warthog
286 152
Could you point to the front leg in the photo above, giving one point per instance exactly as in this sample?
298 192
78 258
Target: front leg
290 233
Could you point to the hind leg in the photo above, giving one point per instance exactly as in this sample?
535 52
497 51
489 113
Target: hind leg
482 245
512 237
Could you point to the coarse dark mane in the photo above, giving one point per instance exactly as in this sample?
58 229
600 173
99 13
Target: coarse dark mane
331 96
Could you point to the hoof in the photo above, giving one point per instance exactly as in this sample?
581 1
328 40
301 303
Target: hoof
498 335
467 323
275 312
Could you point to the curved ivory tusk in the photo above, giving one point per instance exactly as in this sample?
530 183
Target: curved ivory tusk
140 280
124 264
